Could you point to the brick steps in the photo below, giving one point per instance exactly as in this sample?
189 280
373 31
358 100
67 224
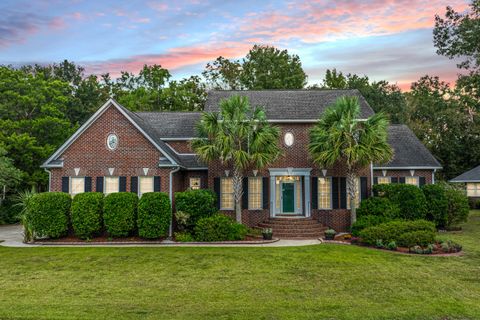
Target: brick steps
294 228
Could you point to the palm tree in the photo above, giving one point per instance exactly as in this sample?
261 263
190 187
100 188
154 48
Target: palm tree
240 137
340 135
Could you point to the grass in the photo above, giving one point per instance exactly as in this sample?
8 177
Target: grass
314 282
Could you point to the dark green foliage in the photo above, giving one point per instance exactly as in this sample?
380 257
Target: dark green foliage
184 237
416 238
437 204
119 213
154 214
474 203
391 231
9 213
392 245
410 199
219 227
87 214
367 221
48 214
458 208
378 206
197 203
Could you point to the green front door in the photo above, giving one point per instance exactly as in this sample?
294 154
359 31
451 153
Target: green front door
288 197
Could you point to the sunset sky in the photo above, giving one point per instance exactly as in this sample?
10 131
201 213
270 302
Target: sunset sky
389 40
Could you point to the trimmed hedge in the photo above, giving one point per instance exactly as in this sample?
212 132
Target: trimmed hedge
87 214
437 204
219 227
119 213
416 238
458 208
197 203
154 214
48 214
367 221
378 206
393 230
409 198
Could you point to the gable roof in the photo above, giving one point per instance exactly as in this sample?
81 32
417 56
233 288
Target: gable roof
142 126
472 175
409 152
172 125
290 105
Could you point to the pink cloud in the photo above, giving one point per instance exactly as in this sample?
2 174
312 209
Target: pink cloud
158 6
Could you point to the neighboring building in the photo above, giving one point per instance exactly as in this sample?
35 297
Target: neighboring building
119 150
471 179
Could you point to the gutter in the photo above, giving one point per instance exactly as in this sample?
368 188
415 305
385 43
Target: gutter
371 179
170 228
49 178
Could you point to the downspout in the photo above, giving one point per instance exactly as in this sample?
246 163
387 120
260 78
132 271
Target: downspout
433 176
170 228
371 179
49 178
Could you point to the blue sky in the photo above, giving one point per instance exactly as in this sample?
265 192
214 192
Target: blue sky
389 40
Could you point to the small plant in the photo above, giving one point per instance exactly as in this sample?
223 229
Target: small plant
450 246
347 237
330 234
184 237
416 249
392 245
267 233
182 217
379 244
22 201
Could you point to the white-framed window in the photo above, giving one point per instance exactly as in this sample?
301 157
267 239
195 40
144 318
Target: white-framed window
325 193
112 185
384 180
77 185
194 183
226 194
412 180
145 184
357 194
255 193
473 189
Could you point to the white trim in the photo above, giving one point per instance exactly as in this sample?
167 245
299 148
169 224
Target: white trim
170 195
406 168
49 179
293 171
139 190
178 139
91 120
464 181
261 193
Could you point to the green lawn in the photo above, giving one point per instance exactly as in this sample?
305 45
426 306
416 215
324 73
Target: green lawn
315 282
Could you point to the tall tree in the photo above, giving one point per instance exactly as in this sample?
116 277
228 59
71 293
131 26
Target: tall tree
240 137
340 136
223 74
10 176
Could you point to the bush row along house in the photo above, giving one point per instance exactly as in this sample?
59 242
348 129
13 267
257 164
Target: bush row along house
119 150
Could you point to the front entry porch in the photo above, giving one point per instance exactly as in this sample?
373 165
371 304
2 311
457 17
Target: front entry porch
290 192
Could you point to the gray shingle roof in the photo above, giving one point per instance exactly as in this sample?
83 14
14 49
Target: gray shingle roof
472 175
408 150
191 161
290 104
172 124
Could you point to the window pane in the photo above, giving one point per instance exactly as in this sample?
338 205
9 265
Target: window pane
77 185
383 180
194 183
146 185
324 193
226 193
411 180
473 189
255 193
111 185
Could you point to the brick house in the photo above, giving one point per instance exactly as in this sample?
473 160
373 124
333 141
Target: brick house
471 181
119 150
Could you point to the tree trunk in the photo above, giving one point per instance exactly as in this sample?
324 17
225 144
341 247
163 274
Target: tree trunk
238 193
352 191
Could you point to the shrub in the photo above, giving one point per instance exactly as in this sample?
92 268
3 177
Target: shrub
219 228
184 237
87 214
474 203
416 238
197 203
458 209
48 214
378 206
437 204
392 245
391 231
410 199
182 220
154 214
9 213
365 222
119 212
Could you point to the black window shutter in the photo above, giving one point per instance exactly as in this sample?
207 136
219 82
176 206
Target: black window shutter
122 184
335 199
375 180
134 185
65 184
401 180
88 184
394 179
156 184
216 189
314 193
265 197
99 184
343 193
203 183
422 181
363 188
245 193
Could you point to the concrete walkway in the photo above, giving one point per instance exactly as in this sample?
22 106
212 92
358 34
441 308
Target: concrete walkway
12 236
